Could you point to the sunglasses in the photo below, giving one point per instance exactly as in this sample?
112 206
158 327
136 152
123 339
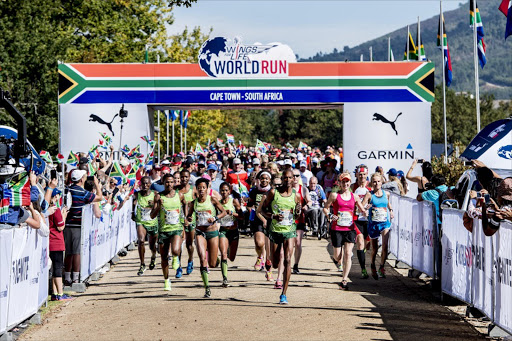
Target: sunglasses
297 176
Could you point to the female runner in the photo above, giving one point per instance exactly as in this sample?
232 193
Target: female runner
190 194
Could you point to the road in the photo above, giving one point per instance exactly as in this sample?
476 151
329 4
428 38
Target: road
122 305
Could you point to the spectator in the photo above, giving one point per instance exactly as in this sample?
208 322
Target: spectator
305 174
212 172
393 185
315 215
403 181
438 181
72 233
424 180
494 212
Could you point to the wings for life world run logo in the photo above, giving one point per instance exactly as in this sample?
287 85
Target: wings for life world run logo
223 58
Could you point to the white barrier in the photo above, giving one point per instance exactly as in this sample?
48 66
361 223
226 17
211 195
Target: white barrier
103 238
412 235
24 270
478 269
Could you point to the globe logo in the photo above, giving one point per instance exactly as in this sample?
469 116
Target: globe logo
210 48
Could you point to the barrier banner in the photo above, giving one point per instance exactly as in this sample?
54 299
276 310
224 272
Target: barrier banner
394 232
503 279
24 277
43 244
481 250
405 234
428 216
457 257
5 265
417 236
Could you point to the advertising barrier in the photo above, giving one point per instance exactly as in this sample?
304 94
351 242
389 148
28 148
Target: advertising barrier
503 277
103 238
5 266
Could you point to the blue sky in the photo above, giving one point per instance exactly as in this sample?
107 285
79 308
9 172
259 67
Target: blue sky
307 26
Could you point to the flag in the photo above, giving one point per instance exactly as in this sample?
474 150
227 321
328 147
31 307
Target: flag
186 115
261 146
199 149
90 168
391 57
289 145
72 159
107 139
4 208
506 8
149 141
134 152
172 115
117 173
242 190
412 49
93 152
125 149
230 138
447 60
480 44
18 190
421 49
102 144
302 145
220 142
132 176
45 156
60 157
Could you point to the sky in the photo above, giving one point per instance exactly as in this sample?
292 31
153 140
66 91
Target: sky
307 26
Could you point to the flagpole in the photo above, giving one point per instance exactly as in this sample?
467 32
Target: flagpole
167 128
389 49
475 59
441 29
371 54
173 135
408 33
418 42
181 131
158 135
185 139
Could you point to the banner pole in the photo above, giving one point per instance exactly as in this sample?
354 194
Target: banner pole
389 49
441 29
181 131
475 60
167 128
408 33
158 132
172 137
185 139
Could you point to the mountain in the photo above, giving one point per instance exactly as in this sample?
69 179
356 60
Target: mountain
495 78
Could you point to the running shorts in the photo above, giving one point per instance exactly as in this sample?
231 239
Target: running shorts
230 234
207 234
362 225
374 230
279 238
164 237
338 238
151 230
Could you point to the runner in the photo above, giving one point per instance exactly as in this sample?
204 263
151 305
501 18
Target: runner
168 205
361 188
343 229
257 227
228 233
143 203
189 193
207 233
284 203
305 201
379 223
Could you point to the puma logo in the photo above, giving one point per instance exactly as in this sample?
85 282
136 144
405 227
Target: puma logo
379 117
96 118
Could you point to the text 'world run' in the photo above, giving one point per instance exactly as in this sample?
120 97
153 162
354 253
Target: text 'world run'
247 67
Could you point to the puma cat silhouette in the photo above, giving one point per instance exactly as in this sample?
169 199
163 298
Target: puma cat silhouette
96 118
379 117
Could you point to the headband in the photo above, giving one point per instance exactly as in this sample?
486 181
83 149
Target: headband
263 173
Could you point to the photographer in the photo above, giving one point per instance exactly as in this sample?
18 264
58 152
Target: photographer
493 212
72 233
424 180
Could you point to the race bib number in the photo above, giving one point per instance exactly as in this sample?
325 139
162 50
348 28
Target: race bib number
258 198
172 217
345 219
379 214
145 214
227 221
202 218
287 218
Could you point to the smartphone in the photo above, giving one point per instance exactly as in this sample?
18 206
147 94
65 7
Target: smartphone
98 160
487 199
421 160
53 174
468 163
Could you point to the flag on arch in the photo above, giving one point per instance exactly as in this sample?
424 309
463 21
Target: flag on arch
230 138
184 116
506 9
480 44
444 45
172 115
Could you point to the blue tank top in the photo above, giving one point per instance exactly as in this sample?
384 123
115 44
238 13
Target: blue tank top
379 211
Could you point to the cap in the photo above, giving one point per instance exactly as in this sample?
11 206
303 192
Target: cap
280 162
237 161
55 192
293 155
165 169
392 172
288 162
300 157
255 161
400 174
207 177
165 162
212 166
201 164
303 164
315 160
505 189
77 174
345 176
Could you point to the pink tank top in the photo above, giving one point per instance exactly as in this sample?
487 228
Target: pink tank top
345 212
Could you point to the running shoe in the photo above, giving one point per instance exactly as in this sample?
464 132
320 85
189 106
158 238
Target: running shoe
64 297
278 284
296 269
175 263
225 283
374 272
141 270
190 267
207 292
54 297
340 267
364 274
259 264
152 264
268 276
382 272
167 285
283 300
179 272
343 285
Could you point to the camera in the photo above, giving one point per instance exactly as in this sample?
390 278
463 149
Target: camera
6 149
122 112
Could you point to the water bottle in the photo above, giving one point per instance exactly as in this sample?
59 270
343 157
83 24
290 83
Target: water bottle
252 215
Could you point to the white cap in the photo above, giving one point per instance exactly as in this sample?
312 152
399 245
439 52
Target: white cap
280 162
288 162
77 174
165 162
255 161
315 160
303 164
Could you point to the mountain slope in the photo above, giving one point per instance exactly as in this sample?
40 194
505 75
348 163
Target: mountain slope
495 78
